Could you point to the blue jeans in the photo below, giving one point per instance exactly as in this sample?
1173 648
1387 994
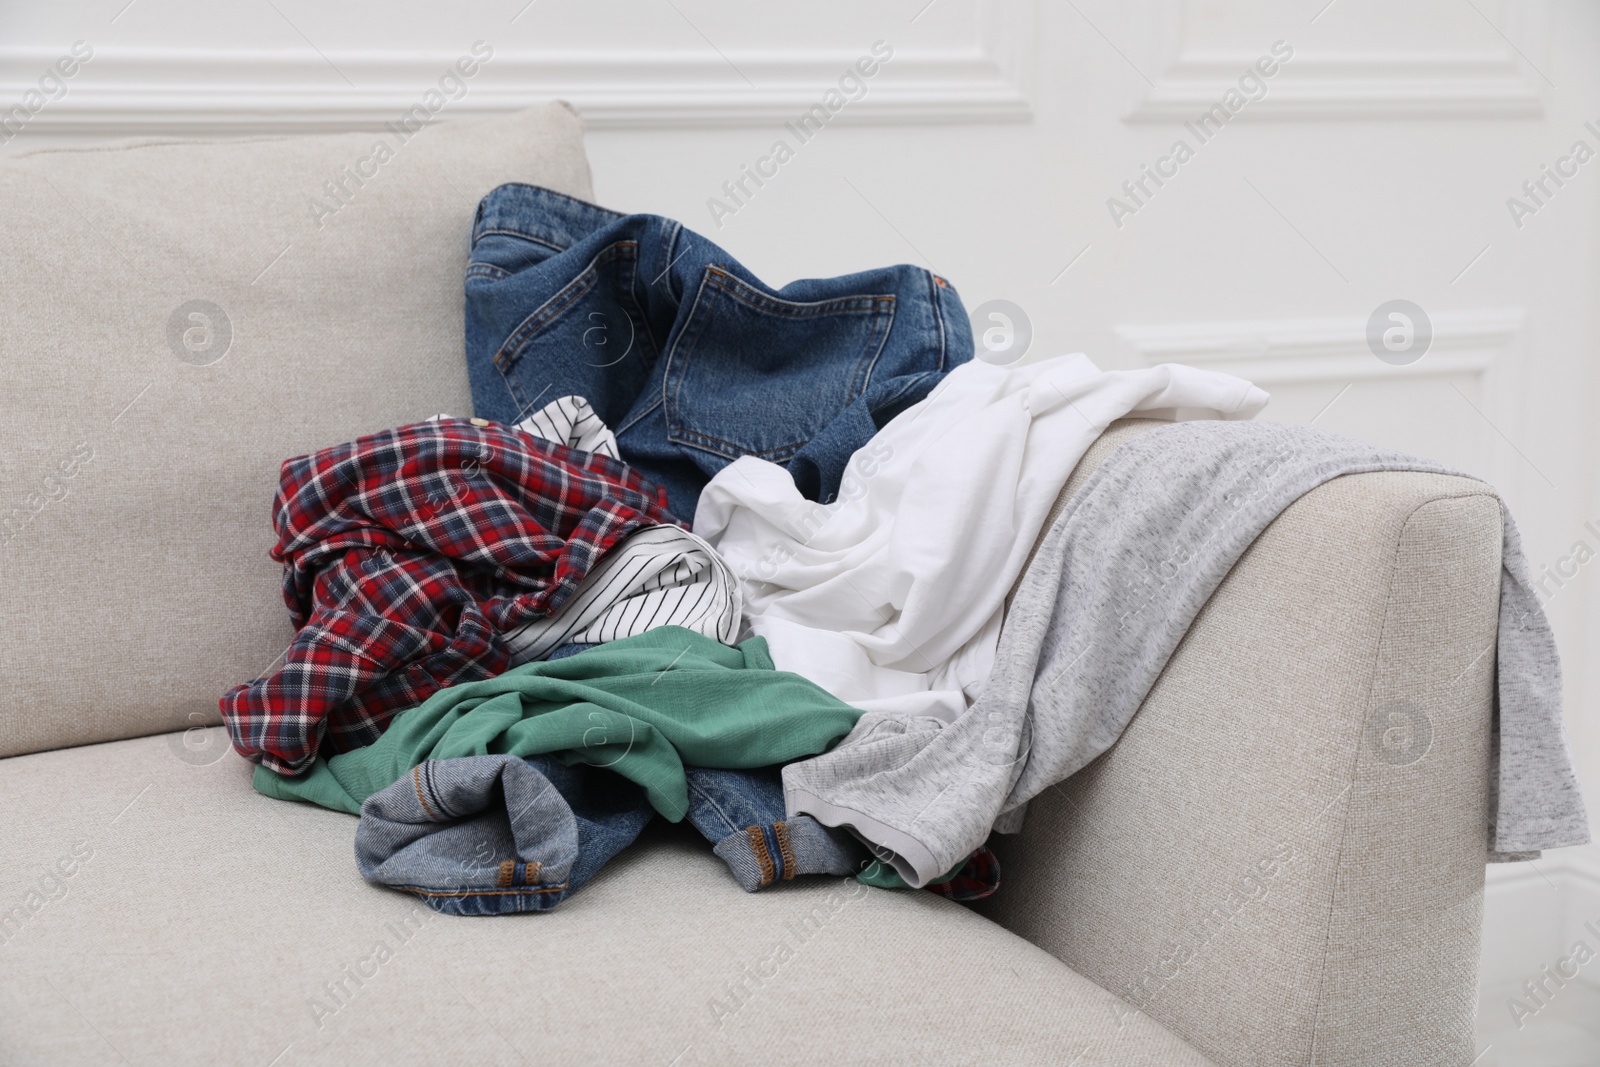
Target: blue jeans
687 356
487 835
494 834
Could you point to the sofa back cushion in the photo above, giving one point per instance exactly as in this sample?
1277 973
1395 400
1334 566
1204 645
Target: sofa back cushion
176 319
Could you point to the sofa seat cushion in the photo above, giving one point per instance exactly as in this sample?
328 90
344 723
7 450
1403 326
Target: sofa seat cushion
155 909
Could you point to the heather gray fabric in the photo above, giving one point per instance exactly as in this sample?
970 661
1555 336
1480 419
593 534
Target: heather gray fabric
1109 595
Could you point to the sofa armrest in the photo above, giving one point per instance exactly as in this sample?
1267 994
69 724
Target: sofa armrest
1282 859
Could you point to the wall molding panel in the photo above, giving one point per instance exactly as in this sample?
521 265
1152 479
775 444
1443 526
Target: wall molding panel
1318 350
1479 346
180 91
1349 87
1332 84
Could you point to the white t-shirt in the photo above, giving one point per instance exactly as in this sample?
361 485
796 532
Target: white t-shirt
891 596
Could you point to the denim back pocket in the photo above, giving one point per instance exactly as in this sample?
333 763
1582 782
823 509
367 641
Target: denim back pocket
589 338
752 374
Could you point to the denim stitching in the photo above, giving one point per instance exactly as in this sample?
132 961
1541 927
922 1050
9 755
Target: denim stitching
686 340
752 297
430 785
937 303
724 283
758 844
501 231
524 891
416 782
871 364
626 426
630 267
543 192
729 823
511 349
781 831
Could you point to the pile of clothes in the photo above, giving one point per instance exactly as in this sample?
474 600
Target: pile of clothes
740 555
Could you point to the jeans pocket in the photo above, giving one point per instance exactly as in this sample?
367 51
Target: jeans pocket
501 255
753 374
589 338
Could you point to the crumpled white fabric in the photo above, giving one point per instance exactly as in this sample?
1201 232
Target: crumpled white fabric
891 596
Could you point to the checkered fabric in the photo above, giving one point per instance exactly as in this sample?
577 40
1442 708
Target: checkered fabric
977 879
407 556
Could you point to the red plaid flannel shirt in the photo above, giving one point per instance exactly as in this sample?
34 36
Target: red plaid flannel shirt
407 555
977 879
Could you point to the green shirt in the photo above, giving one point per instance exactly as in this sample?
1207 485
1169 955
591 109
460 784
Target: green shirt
643 706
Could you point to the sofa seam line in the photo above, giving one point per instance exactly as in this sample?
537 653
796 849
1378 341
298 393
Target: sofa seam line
1355 760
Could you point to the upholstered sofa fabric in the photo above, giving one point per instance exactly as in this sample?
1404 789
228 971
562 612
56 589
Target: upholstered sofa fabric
1245 878
1247 869
1252 864
178 318
203 923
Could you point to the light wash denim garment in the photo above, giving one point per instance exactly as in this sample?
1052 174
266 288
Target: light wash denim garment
494 834
687 356
742 814
486 835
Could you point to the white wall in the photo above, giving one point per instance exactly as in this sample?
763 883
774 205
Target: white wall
1377 166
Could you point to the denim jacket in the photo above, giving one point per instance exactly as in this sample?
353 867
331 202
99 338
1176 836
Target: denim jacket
690 358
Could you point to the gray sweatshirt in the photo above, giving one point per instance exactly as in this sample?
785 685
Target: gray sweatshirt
1082 647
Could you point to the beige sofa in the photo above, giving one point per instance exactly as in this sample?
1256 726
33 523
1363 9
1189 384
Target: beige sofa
1246 878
